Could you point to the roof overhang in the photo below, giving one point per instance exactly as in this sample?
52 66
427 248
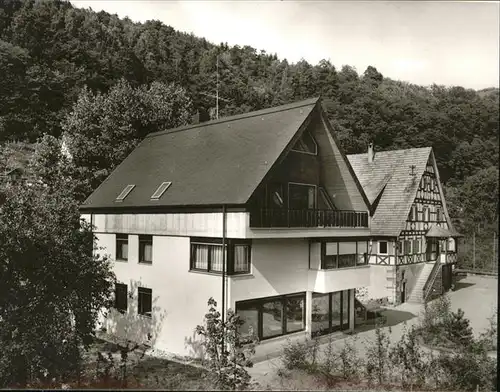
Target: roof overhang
440 232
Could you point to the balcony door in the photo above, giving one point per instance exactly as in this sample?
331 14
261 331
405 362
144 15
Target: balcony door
301 196
330 312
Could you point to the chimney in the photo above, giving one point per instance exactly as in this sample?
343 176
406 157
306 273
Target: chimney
371 153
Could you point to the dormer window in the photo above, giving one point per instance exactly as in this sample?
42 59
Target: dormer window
306 144
161 190
125 193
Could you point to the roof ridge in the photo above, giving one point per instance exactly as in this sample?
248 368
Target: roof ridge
401 149
241 116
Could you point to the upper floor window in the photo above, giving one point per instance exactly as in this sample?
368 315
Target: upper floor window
439 214
121 297
408 247
122 247
145 249
306 144
301 196
344 254
426 214
207 255
382 247
413 212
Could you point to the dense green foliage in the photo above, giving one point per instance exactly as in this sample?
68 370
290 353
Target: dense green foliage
50 50
52 288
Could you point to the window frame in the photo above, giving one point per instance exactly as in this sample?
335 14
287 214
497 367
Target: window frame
258 303
425 214
306 146
386 247
230 255
119 239
140 307
124 193
308 186
121 309
337 256
145 239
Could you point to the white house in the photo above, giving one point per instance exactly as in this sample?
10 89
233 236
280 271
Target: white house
414 245
275 188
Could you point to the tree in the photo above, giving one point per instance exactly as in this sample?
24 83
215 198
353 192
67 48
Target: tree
103 129
52 287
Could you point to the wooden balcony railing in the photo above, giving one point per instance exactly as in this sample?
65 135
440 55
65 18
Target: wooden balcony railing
278 218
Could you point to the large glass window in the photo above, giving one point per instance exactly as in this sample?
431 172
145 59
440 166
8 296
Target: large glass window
344 254
320 312
270 317
295 314
362 253
301 197
336 311
330 312
347 254
207 255
249 313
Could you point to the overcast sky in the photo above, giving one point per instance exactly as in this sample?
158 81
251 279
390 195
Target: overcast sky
450 43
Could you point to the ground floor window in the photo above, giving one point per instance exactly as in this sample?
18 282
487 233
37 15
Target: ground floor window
273 316
121 297
145 301
330 312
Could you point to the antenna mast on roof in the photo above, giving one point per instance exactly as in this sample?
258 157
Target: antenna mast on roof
216 96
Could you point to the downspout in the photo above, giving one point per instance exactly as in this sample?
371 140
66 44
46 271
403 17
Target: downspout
224 251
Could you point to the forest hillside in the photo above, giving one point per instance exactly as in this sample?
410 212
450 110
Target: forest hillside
50 50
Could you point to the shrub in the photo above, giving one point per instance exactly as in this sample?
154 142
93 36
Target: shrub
301 355
228 355
295 355
377 357
457 328
489 337
406 356
469 369
349 362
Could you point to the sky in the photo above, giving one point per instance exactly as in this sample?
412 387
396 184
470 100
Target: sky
422 42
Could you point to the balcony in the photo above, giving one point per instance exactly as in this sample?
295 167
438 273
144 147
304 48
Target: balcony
283 218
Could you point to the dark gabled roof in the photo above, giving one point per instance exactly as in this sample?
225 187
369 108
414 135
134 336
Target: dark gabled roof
388 177
212 163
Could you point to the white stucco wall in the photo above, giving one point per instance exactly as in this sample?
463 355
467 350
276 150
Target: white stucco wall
378 285
278 267
179 296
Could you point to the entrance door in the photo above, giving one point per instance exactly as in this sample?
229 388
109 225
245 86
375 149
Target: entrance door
403 293
447 276
432 249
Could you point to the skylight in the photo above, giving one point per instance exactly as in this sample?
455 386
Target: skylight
161 190
125 192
